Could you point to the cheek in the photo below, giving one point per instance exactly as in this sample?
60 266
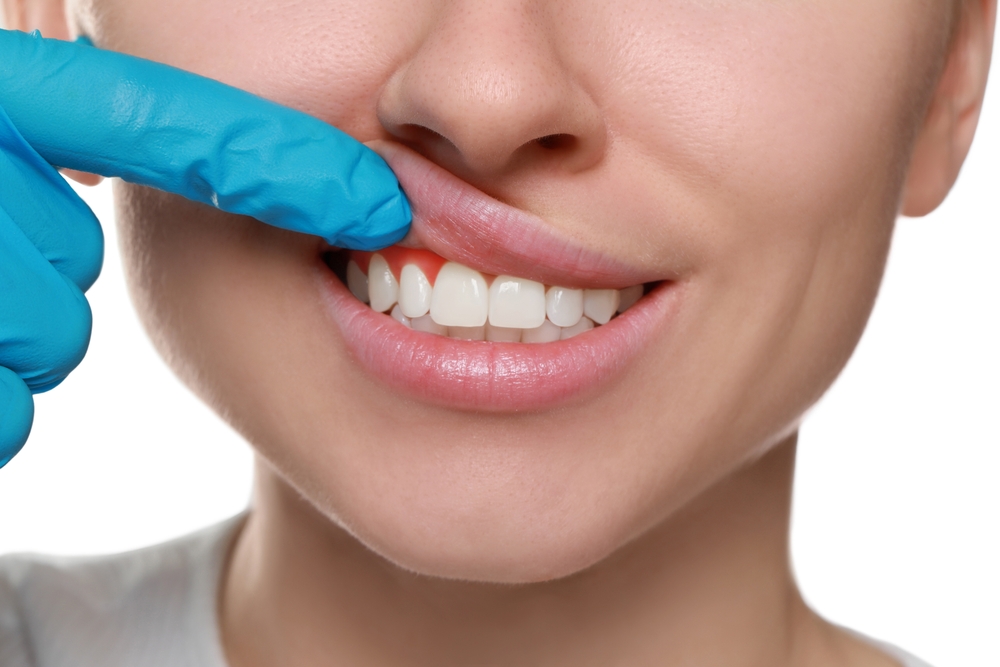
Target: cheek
213 291
771 142
760 114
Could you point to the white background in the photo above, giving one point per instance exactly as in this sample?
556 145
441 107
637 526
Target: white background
896 527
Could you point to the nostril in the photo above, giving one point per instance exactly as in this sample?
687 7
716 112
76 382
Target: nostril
419 137
556 141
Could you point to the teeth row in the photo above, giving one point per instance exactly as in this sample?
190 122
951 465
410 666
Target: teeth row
461 304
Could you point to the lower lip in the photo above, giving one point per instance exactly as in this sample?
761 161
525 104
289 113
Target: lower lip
496 377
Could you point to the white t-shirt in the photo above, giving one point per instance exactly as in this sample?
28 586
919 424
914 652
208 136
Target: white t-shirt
155 607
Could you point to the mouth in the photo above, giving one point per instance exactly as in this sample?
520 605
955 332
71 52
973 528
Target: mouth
483 307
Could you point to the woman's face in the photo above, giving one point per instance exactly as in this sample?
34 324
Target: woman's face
750 153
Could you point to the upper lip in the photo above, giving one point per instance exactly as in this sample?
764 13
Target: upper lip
461 223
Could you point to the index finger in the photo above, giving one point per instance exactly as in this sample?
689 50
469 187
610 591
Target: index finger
147 123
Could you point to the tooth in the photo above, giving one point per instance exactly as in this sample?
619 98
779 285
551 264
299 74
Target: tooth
547 333
357 281
629 296
460 298
382 286
517 303
600 304
564 306
467 333
583 325
502 334
414 291
397 314
427 325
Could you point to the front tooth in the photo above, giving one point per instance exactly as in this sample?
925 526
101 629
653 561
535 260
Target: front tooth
460 297
564 306
583 325
427 325
629 296
547 333
600 304
502 334
467 333
414 291
397 314
357 281
382 286
517 303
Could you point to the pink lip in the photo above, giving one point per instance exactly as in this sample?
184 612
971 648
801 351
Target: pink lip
461 223
495 377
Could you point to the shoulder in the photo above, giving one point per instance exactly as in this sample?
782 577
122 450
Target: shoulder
113 610
14 649
903 658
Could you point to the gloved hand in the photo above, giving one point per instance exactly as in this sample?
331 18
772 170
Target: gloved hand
71 105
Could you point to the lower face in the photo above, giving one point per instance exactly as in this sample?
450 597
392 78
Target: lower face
752 170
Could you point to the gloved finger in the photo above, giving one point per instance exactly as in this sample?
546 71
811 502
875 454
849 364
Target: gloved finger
50 214
147 123
17 410
45 321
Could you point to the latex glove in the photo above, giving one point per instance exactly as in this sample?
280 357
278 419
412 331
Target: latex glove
71 105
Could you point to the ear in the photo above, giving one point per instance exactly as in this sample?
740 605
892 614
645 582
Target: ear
950 123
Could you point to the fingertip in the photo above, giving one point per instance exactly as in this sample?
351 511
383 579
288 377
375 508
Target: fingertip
382 212
386 225
17 411
394 216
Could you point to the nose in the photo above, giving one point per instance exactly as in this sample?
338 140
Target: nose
488 90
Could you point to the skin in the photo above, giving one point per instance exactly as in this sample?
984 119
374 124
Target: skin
759 149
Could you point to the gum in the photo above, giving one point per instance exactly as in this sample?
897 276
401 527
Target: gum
397 257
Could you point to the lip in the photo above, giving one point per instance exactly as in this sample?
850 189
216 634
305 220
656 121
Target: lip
457 221
461 223
495 377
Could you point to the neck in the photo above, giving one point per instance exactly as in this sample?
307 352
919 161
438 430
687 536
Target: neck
712 585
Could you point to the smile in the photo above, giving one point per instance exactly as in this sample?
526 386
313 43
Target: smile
496 326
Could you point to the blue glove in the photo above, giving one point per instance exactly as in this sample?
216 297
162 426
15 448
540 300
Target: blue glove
74 106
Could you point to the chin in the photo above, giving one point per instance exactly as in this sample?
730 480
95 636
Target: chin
515 541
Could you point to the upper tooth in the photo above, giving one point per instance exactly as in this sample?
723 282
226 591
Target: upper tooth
629 296
414 291
507 310
460 297
583 325
357 281
382 286
600 304
517 303
564 306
